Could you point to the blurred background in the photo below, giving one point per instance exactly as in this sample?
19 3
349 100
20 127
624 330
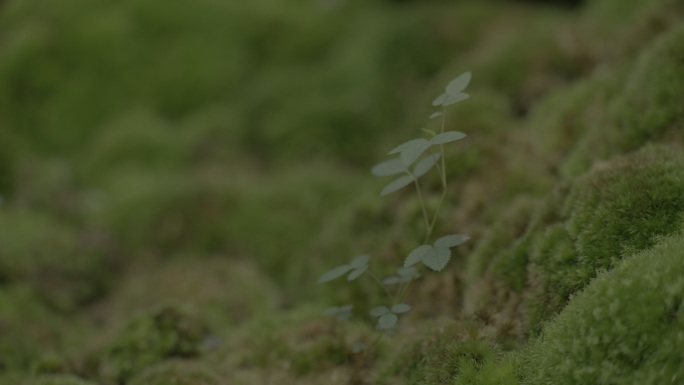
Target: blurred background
216 153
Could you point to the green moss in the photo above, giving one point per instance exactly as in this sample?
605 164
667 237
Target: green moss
624 328
149 339
67 270
644 110
177 373
56 379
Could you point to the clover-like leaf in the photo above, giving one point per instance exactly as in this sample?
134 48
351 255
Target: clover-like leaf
439 101
453 99
389 167
411 150
393 280
397 184
438 259
424 165
407 273
378 311
334 273
451 240
459 84
400 308
417 255
447 137
357 273
360 261
387 321
435 114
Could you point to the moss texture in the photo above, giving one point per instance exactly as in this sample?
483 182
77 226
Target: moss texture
173 178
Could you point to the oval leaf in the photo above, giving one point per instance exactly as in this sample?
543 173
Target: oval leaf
400 308
378 311
437 260
440 100
334 273
435 114
387 321
389 167
417 255
360 261
346 307
331 311
447 137
453 99
424 165
393 280
451 240
410 154
407 145
357 273
397 184
459 84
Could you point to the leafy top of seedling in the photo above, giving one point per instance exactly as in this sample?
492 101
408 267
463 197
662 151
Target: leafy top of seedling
410 151
387 317
358 266
437 255
453 92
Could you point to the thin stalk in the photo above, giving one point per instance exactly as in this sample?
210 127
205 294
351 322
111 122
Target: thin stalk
379 282
422 206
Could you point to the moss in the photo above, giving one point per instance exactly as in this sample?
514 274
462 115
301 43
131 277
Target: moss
644 110
66 268
177 373
624 328
584 227
222 291
55 379
149 339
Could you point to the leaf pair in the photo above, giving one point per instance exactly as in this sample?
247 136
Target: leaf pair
437 255
404 274
358 266
387 317
410 151
454 91
340 312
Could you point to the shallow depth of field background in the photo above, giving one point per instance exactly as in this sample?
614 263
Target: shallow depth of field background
174 176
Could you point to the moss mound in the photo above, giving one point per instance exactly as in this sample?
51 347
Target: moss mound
625 327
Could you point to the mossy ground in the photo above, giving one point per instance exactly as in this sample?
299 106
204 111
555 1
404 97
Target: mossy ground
173 179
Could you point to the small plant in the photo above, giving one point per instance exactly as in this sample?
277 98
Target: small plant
409 162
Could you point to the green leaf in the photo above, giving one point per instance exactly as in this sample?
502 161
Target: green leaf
435 114
411 150
393 280
451 240
360 261
407 273
437 260
334 273
429 132
397 184
424 165
331 311
417 255
459 84
378 311
439 101
447 137
400 308
357 273
453 99
389 167
387 321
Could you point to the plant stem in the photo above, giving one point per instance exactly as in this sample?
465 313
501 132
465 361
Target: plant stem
379 282
422 206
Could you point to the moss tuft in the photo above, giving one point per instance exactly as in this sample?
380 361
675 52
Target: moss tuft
626 327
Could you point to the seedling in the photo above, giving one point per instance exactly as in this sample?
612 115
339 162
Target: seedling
409 161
